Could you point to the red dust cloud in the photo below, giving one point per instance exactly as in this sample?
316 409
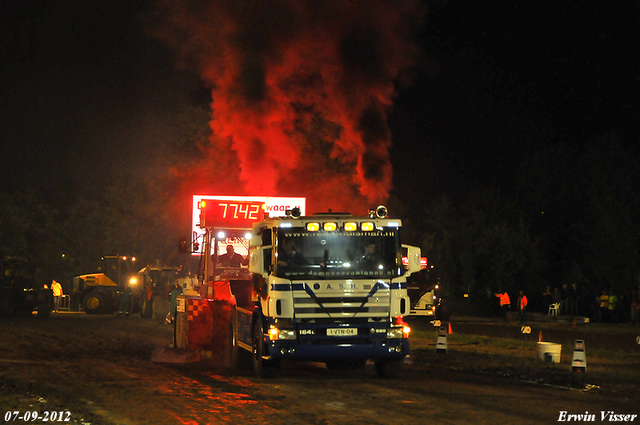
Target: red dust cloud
301 91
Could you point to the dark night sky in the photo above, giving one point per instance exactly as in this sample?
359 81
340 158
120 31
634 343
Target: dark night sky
503 79
83 90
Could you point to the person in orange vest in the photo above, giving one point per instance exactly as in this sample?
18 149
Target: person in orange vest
57 294
522 306
505 303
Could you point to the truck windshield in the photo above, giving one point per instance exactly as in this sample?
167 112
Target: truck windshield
338 255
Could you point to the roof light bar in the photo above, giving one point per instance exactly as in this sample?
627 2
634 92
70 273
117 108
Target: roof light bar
367 226
351 226
330 226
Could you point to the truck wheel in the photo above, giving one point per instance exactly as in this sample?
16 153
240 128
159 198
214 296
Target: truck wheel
262 368
389 368
93 302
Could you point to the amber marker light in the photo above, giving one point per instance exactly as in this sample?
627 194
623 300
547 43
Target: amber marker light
313 227
330 227
351 226
273 333
406 330
367 226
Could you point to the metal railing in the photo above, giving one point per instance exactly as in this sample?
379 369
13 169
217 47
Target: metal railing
65 303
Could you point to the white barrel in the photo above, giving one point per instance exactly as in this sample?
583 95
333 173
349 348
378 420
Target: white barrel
549 352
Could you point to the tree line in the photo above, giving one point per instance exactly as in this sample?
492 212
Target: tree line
571 215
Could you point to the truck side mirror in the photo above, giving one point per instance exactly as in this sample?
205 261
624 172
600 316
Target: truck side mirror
260 260
413 254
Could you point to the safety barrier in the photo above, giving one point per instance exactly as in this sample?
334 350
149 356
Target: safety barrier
65 303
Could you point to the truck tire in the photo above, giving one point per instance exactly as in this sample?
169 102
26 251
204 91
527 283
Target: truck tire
389 368
262 368
93 302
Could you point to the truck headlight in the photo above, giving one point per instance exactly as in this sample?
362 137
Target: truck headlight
287 334
276 334
396 333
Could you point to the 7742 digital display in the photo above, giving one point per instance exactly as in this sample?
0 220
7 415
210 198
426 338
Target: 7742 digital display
230 214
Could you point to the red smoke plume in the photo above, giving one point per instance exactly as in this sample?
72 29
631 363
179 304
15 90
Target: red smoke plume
301 90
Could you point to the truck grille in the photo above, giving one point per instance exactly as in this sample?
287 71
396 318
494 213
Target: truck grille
371 305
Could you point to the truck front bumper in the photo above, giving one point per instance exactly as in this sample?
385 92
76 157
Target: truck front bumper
294 350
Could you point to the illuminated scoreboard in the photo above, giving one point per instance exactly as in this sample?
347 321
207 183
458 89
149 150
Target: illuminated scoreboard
217 213
237 213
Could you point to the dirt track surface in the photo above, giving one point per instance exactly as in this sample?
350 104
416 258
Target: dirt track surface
100 369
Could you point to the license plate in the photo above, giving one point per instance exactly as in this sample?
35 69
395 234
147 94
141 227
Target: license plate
342 331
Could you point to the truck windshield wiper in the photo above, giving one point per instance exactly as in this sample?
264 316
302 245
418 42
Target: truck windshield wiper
325 260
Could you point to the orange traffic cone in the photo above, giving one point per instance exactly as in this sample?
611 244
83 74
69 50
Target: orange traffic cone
450 330
540 337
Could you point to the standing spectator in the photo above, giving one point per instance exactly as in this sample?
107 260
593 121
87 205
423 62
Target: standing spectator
603 310
572 298
624 307
56 288
125 301
564 304
613 307
505 303
557 296
547 296
522 306
173 293
634 311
